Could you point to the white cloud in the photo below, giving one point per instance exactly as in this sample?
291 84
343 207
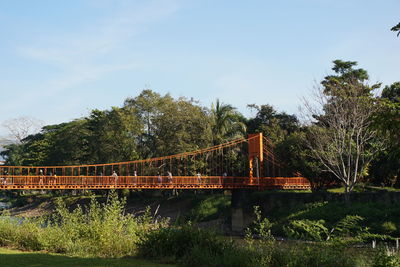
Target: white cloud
79 56
84 55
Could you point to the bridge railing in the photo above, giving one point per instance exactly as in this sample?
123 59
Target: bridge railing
122 181
227 182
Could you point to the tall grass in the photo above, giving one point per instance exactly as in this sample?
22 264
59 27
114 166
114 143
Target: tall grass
104 230
101 230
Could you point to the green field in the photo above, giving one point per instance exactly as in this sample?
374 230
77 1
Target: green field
9 257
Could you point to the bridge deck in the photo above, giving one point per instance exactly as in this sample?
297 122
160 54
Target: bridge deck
150 182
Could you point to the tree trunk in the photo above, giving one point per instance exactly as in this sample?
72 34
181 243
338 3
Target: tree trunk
347 193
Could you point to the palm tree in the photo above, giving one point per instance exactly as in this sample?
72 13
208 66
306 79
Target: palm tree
396 29
227 123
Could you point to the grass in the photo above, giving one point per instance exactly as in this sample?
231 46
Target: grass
375 214
206 208
359 189
9 257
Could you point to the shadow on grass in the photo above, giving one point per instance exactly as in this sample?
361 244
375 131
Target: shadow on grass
374 214
36 259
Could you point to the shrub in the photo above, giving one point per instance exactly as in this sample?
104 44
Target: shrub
209 209
307 230
312 255
389 227
103 230
260 228
385 258
349 226
192 246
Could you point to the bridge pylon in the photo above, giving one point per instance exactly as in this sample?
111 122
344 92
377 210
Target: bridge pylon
256 156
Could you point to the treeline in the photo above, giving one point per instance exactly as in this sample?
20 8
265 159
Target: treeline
151 125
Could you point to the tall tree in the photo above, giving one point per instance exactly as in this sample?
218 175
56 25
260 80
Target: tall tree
181 126
169 125
146 107
113 135
19 128
272 124
342 137
386 168
396 29
226 123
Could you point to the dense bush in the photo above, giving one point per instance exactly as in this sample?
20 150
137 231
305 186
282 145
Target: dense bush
385 258
343 220
389 227
307 230
101 230
209 208
191 246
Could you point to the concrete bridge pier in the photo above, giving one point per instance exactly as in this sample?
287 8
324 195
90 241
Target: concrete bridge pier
237 214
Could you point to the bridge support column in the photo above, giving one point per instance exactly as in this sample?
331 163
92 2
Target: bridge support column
256 155
237 215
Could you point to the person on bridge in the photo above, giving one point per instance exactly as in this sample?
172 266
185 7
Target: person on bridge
224 175
40 176
198 177
115 177
54 178
134 177
169 177
3 180
159 178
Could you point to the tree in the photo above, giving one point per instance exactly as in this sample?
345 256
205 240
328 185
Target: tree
181 126
297 158
19 128
276 126
169 125
386 168
146 107
396 29
113 135
340 135
226 123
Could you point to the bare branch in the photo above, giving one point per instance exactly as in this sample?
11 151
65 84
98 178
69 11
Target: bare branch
21 127
340 133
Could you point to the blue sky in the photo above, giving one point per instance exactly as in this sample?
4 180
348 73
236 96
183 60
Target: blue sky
60 59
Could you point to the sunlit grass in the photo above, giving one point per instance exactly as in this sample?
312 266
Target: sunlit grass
10 257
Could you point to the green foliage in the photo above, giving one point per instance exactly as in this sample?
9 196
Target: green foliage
385 169
385 258
103 230
226 123
146 126
349 226
209 208
307 230
261 229
358 222
315 255
15 258
396 28
169 126
298 159
191 246
276 126
389 227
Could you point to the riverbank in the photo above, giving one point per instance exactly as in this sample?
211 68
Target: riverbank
378 208
323 234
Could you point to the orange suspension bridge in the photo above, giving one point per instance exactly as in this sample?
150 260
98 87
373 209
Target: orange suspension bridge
247 163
